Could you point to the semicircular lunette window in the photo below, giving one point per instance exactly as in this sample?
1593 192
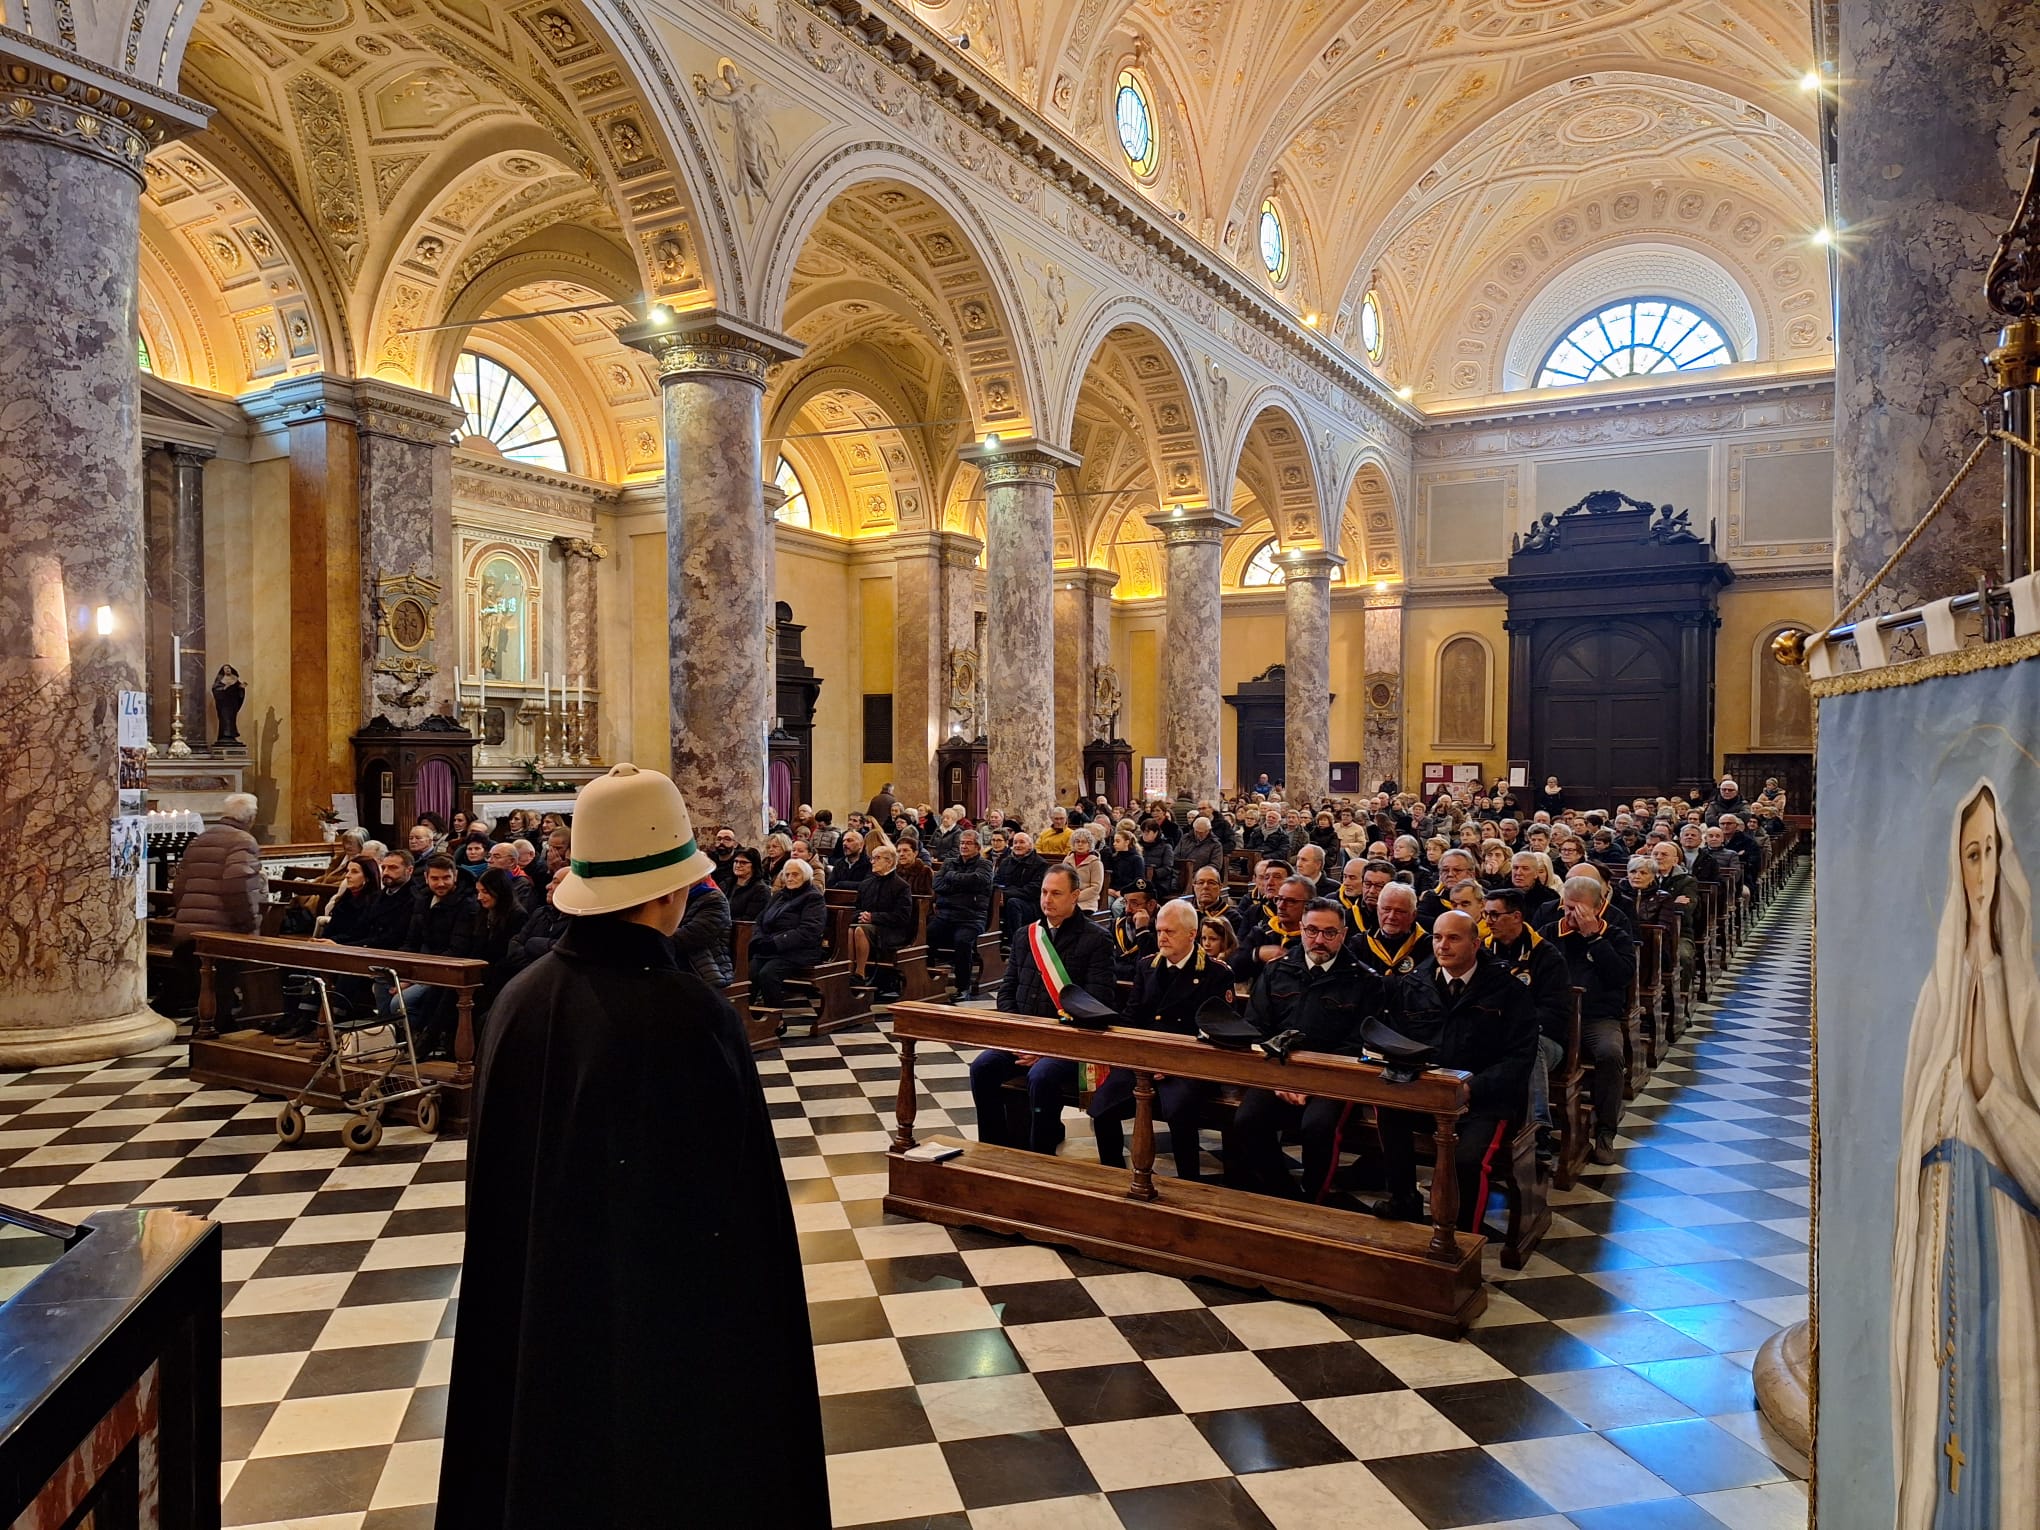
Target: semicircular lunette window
1262 570
1274 241
506 413
1136 123
794 512
1635 338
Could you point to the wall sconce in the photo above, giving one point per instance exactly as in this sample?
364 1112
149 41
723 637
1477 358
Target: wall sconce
102 621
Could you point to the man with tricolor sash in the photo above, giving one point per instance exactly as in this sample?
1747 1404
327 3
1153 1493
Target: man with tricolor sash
1060 950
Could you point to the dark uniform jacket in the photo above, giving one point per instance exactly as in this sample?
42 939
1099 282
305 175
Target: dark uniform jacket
1086 953
1130 946
1327 1004
1167 998
632 1288
1601 968
1388 954
1540 967
1490 1031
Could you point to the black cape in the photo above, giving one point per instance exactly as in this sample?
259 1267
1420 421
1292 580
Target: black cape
632 1321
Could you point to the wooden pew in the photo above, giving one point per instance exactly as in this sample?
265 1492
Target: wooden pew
1572 1107
1427 1279
1649 964
265 1065
1636 1062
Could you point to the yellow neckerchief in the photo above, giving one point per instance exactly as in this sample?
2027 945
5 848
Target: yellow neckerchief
1197 956
1285 936
1487 939
1119 928
1417 933
1356 908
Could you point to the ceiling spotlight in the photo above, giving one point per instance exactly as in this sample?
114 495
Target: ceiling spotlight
962 40
1381 586
1310 321
1810 80
1180 216
1406 392
659 314
991 440
1823 235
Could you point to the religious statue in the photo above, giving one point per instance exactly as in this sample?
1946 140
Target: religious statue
1105 701
757 143
1965 1353
963 690
227 695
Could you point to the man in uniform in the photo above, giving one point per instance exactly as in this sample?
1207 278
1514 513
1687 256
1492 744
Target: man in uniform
1397 945
1536 963
1133 932
631 1294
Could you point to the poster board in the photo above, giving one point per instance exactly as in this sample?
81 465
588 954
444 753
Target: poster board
1154 776
1927 1020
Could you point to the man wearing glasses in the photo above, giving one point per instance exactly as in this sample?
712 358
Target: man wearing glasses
1279 929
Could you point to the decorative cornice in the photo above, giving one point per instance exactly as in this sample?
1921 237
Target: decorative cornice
1092 581
307 400
1309 563
385 409
60 97
710 342
952 548
571 548
909 49
592 490
1189 525
1023 460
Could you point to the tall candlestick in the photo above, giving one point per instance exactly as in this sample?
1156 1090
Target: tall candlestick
176 655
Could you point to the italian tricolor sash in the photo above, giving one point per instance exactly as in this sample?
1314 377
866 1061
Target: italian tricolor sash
1055 977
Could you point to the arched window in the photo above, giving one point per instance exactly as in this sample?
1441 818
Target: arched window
1371 337
504 412
1135 119
795 511
142 355
1262 570
1274 241
1633 338
1463 693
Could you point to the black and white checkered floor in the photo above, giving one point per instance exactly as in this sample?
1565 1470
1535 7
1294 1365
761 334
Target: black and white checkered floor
972 1381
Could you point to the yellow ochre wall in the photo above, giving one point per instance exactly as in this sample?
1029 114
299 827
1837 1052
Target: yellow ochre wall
1426 629
1748 613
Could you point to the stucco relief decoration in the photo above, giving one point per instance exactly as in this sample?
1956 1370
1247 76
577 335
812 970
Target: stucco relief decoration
405 612
1106 700
963 691
743 121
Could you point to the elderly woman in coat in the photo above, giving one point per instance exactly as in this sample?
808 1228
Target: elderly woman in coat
885 920
792 934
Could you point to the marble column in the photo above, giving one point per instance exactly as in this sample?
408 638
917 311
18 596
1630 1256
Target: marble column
1381 750
1307 659
1934 116
72 140
1194 543
934 574
1020 478
1083 642
718 559
579 559
317 415
406 454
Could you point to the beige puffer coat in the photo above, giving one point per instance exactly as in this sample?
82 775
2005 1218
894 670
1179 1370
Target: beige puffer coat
219 882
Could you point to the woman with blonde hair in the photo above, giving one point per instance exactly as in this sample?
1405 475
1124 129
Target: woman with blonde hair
1089 867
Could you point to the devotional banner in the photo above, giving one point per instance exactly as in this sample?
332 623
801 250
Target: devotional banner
1928 1124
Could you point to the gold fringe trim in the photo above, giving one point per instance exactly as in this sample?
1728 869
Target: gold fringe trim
1963 661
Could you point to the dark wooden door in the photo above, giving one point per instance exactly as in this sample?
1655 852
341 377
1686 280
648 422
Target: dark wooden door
1605 714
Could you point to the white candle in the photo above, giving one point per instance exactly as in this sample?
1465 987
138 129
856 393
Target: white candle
545 691
456 683
176 658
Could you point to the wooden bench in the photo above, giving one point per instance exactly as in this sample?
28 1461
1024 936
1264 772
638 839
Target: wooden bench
1424 1278
264 1065
1572 1106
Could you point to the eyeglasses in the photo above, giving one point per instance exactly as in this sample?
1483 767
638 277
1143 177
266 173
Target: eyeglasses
1291 902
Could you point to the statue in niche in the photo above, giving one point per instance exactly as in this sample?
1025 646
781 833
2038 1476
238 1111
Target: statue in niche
963 690
751 132
227 695
1105 702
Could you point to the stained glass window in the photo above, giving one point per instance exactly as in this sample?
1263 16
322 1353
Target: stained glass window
795 511
1274 241
502 410
1136 122
1370 326
1634 338
1262 569
142 355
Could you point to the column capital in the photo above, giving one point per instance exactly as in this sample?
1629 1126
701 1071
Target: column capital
1181 524
304 400
1092 581
1022 459
710 342
53 94
389 409
1309 563
579 547
775 499
951 548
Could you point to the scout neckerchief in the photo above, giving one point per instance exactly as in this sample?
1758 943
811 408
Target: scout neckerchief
1519 965
1402 961
1286 936
1120 927
1356 909
1055 977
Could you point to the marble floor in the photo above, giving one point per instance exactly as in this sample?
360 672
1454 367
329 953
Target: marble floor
975 1383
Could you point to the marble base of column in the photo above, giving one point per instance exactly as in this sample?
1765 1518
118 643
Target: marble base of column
1194 543
1019 479
1307 696
1783 1376
72 979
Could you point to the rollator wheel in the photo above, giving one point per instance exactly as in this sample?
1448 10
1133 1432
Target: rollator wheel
290 1126
428 1114
361 1134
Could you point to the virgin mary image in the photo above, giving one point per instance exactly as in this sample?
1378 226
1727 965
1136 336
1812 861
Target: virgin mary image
1965 1345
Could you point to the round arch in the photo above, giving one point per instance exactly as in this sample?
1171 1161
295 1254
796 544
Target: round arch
575 255
997 354
1272 429
894 450
1180 434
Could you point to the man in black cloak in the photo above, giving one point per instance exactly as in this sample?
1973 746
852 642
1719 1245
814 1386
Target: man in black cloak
633 1346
